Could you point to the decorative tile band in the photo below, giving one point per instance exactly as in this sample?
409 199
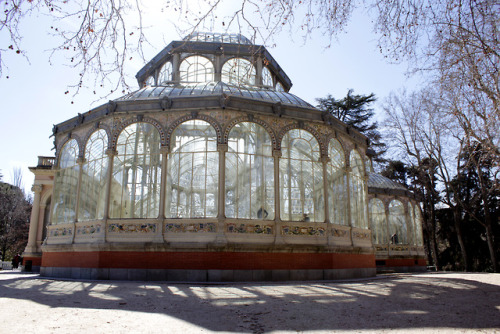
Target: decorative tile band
381 248
192 227
132 228
303 230
399 248
338 233
88 229
360 235
61 231
249 228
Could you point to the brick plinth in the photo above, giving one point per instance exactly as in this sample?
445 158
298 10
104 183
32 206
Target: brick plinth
207 260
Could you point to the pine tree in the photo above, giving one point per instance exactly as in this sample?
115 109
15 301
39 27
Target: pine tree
355 111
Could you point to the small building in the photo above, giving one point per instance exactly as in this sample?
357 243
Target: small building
213 171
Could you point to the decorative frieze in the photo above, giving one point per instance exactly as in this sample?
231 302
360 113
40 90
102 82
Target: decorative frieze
250 228
88 229
364 235
303 230
340 233
190 228
132 228
60 232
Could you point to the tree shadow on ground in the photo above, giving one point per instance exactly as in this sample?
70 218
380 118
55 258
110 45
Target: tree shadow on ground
397 302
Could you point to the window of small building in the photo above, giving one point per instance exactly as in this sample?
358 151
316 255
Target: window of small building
357 191
301 178
135 187
193 171
238 71
249 173
337 181
378 222
65 184
196 69
94 172
397 223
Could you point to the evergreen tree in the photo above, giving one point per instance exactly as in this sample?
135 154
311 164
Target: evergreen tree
15 212
355 111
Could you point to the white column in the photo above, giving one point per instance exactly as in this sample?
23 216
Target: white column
278 237
35 215
222 148
324 161
161 217
111 154
221 213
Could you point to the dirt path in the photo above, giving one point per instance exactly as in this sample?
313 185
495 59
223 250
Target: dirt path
416 303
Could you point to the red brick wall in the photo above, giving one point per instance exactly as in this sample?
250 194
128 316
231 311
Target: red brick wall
35 261
207 260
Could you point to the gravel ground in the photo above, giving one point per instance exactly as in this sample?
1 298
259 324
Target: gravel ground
397 303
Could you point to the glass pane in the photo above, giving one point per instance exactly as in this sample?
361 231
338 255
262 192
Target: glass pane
94 171
301 178
66 181
135 188
193 172
267 78
337 180
196 69
279 87
378 222
165 74
358 192
238 71
249 182
418 226
397 223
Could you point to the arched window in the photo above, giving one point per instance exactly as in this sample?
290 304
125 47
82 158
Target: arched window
357 192
135 188
368 165
279 87
418 226
249 173
378 222
165 74
267 78
196 69
238 71
301 178
150 81
337 181
397 223
94 171
65 185
193 171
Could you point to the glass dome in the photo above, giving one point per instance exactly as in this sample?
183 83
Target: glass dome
216 88
217 38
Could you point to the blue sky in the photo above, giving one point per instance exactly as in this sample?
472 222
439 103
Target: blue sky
33 96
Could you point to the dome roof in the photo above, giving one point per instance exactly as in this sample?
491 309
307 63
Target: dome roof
215 88
217 38
382 182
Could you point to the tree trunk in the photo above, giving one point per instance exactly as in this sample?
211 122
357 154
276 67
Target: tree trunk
491 247
458 229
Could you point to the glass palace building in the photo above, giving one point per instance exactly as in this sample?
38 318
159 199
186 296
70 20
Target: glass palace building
213 171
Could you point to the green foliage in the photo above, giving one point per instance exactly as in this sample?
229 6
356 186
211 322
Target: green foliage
15 212
355 111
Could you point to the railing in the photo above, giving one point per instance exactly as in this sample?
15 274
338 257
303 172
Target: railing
46 162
